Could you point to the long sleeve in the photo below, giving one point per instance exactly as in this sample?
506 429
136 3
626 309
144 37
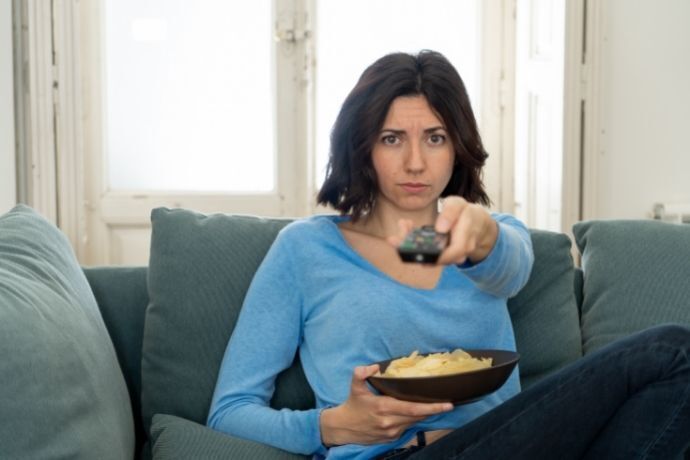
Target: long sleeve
264 342
507 267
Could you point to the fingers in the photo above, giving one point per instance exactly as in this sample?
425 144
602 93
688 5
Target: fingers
359 379
405 226
393 406
467 224
452 208
453 220
415 410
471 229
368 418
394 416
463 242
364 372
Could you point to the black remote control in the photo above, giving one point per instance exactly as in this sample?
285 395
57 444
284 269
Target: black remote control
423 245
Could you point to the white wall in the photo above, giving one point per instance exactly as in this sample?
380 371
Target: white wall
8 194
645 111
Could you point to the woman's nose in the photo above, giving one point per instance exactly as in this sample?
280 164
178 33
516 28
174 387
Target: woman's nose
415 158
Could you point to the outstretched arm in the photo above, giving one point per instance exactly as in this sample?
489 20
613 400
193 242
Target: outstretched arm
493 250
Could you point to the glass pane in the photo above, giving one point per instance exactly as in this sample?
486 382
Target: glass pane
189 106
348 41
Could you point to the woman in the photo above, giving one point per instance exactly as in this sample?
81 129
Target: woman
334 289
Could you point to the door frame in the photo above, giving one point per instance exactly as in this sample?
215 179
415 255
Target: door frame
582 125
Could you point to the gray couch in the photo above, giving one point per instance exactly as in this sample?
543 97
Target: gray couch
121 362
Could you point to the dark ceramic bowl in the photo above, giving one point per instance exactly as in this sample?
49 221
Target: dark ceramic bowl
461 388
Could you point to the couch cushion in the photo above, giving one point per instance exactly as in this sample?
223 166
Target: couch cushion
544 313
63 394
175 438
199 271
636 275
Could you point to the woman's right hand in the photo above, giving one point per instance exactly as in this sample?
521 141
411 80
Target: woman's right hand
367 418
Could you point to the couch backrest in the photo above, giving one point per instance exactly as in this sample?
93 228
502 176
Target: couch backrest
636 275
545 312
579 282
122 298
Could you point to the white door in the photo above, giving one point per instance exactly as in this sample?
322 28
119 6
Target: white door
539 66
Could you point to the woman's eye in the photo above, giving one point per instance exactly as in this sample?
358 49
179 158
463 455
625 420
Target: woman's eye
389 139
437 139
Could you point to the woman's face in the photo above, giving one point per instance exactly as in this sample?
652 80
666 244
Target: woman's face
412 156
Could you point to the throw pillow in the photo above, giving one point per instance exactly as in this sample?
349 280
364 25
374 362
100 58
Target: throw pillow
544 313
175 438
200 268
62 392
636 275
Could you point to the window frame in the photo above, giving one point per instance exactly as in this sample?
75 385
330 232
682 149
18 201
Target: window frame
77 73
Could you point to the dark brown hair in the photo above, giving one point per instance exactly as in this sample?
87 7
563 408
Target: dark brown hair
351 186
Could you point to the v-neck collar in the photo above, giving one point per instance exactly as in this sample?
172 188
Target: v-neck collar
333 222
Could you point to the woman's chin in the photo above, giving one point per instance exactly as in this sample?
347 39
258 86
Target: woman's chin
417 204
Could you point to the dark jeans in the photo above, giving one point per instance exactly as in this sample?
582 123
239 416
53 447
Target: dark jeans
629 400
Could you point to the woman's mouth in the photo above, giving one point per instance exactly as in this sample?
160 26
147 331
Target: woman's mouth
414 187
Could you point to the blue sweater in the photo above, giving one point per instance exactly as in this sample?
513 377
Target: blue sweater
314 294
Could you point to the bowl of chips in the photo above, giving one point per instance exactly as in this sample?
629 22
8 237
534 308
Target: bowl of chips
460 376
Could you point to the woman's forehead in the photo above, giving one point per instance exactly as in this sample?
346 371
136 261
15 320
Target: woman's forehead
411 110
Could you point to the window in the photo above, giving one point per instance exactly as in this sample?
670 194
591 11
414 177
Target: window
135 104
188 105
227 106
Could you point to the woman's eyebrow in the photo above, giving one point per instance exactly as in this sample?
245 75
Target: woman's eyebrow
402 131
393 131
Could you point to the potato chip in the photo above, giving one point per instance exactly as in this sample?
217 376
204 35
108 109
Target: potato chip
416 365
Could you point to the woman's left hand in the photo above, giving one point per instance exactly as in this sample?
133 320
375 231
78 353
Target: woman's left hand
472 230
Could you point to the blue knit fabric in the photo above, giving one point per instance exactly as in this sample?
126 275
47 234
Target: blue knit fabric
314 294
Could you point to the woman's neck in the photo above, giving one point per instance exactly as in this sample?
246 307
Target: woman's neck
382 222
